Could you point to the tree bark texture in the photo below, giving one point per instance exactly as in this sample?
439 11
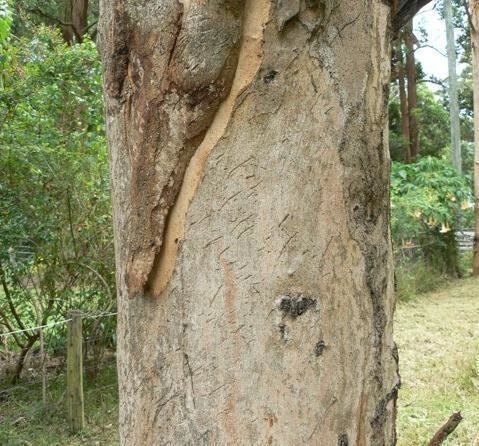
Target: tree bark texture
250 172
474 8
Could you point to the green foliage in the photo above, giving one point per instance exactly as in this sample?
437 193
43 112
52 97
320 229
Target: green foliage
29 14
433 123
428 198
6 19
56 239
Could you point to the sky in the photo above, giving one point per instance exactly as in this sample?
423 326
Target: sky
432 61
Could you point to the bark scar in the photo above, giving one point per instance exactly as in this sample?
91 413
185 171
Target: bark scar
249 61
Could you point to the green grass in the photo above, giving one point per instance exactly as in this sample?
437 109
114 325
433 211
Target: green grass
24 421
416 277
438 339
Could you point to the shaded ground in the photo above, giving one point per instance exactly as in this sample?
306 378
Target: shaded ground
25 422
438 339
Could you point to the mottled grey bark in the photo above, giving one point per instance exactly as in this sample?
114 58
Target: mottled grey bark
250 174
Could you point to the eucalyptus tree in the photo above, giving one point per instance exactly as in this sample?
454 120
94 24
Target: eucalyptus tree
250 173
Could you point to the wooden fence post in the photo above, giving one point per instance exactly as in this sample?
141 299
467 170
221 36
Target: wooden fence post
76 415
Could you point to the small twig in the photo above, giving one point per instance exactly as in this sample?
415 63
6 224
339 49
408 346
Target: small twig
447 429
9 298
70 222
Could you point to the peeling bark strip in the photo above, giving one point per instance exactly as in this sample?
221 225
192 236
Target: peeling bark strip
249 61
165 81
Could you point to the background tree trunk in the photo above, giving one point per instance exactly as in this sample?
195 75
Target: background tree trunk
80 17
66 10
250 174
474 6
75 16
403 101
411 90
452 89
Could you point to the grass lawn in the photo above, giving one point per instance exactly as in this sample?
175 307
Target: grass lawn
438 339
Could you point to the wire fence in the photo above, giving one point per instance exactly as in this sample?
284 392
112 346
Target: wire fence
58 360
464 240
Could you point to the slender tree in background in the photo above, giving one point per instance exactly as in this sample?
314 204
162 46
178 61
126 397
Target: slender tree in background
71 16
474 17
403 99
452 87
75 20
411 90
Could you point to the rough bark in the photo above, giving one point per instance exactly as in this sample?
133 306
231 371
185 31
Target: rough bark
65 18
411 91
250 174
474 9
452 88
446 429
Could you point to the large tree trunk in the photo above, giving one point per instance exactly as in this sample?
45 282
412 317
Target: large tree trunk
474 6
411 90
250 174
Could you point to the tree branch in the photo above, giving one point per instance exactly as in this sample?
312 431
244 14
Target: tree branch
447 429
56 20
405 11
9 299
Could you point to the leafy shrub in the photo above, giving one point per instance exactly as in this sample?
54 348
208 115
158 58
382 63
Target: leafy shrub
56 243
429 200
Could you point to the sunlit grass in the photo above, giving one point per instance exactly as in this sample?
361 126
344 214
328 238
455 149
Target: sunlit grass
438 339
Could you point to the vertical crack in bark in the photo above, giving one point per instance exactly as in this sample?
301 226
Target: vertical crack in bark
249 61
